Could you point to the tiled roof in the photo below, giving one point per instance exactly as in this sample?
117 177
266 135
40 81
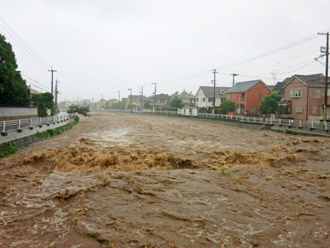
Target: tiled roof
279 85
313 79
33 91
161 96
243 86
209 91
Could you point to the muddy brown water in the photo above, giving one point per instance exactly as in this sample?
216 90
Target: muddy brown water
125 180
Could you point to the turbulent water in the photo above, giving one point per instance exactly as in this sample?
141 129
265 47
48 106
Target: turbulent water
120 180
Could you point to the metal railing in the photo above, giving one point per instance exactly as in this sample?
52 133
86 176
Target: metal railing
31 123
289 123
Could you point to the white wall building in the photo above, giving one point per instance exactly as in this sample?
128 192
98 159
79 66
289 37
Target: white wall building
205 94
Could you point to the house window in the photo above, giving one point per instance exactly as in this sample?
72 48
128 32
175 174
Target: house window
228 97
260 96
299 110
210 99
222 91
317 93
253 109
243 96
196 99
314 112
295 93
203 99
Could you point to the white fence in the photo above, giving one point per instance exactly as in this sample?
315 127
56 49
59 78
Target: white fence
31 123
301 124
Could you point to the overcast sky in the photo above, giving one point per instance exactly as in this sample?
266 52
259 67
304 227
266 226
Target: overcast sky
103 46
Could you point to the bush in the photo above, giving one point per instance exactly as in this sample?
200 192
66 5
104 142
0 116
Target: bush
290 132
7 149
227 106
78 109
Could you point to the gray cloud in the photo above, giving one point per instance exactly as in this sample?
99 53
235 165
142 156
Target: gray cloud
105 46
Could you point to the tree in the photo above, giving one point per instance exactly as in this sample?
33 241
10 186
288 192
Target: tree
13 89
43 101
175 103
147 104
269 105
78 109
227 106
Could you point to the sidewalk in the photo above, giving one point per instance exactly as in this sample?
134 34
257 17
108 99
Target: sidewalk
26 132
304 131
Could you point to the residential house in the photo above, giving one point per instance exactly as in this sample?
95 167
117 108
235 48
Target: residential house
205 95
247 96
159 101
304 96
133 101
279 87
33 91
142 102
110 102
188 99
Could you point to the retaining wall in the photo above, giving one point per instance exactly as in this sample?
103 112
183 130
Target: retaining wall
15 113
23 142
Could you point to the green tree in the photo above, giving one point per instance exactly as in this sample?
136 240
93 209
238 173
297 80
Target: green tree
175 103
227 106
78 109
43 101
269 105
13 89
147 104
119 105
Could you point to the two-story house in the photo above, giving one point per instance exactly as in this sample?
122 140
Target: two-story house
304 96
247 96
188 100
159 101
205 95
132 101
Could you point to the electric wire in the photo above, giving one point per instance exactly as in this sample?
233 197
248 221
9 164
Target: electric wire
22 44
34 81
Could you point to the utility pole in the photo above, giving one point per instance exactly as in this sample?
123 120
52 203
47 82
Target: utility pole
234 75
141 97
131 98
214 83
52 77
102 103
56 92
155 95
326 51
119 95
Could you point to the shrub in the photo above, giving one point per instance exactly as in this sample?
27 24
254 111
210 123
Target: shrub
7 149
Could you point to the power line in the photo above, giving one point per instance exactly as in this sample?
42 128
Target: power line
22 43
34 81
297 69
281 61
35 85
277 50
22 51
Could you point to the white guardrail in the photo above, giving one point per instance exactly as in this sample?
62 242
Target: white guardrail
31 123
301 124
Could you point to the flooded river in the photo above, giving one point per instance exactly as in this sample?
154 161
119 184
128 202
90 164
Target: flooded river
127 180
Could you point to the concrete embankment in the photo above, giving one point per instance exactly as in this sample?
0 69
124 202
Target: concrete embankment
23 139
